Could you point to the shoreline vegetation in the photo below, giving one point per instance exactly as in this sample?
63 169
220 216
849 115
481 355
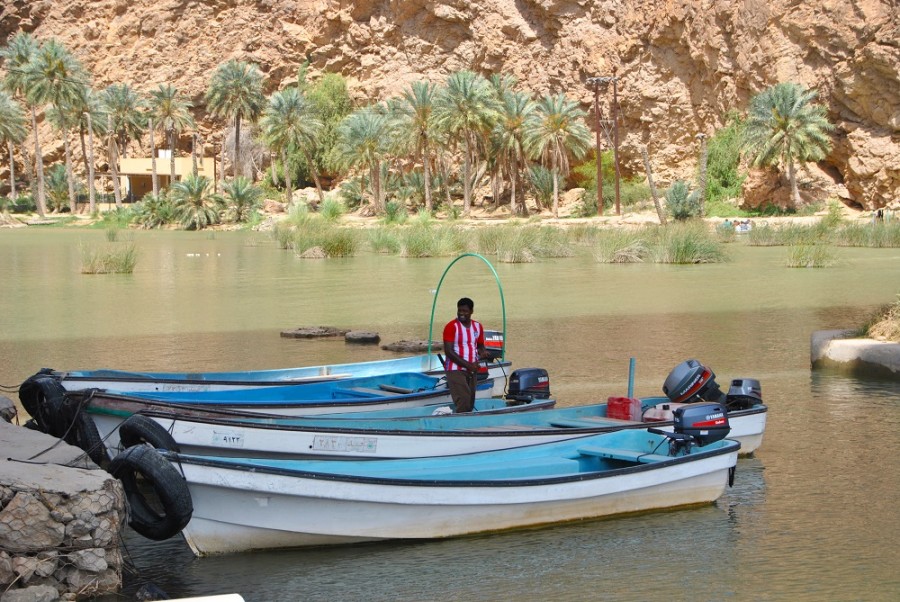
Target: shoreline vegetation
635 237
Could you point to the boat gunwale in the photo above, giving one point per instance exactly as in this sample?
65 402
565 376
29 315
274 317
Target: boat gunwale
730 446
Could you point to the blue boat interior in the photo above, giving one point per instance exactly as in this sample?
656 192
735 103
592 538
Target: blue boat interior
369 387
580 456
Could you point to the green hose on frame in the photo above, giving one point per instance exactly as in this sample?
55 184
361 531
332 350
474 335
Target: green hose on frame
438 290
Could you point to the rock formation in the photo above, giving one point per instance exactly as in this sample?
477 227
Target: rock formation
681 65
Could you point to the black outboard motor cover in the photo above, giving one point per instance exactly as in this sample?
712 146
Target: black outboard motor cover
705 422
743 394
528 384
691 381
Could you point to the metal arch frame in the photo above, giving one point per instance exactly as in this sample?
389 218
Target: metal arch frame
499 288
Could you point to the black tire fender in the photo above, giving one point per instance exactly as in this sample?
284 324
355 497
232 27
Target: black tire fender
84 434
43 397
168 485
138 429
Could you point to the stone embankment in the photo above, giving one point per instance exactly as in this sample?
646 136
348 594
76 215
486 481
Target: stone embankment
60 520
838 349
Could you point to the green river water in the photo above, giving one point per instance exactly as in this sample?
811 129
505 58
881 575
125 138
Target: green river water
812 516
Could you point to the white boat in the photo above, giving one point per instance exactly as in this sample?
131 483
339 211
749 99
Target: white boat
426 431
241 504
135 381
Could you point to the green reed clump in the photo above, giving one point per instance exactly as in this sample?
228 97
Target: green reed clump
725 233
878 235
384 240
552 242
334 241
686 243
621 246
431 241
809 256
763 235
510 244
114 259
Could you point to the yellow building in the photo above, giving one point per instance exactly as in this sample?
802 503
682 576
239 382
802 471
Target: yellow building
136 174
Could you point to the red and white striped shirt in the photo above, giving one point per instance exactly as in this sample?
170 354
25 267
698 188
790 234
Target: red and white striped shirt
466 341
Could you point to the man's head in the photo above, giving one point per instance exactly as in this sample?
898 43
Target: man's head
464 309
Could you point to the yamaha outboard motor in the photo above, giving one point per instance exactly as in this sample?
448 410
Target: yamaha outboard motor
690 382
743 394
493 344
705 422
696 424
528 384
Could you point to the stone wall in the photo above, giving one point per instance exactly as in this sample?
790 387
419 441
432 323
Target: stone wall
60 521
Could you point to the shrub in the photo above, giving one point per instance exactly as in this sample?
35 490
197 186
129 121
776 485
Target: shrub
541 180
680 203
152 211
723 176
331 210
395 212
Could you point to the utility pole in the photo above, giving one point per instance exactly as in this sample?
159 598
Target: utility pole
615 118
703 158
596 82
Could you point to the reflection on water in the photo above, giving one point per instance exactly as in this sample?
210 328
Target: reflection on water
812 516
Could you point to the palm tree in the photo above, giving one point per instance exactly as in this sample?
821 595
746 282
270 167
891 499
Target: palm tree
555 129
289 125
416 120
91 114
242 197
509 136
125 108
235 91
363 140
64 118
784 127
17 55
12 131
194 203
53 76
123 121
467 110
171 114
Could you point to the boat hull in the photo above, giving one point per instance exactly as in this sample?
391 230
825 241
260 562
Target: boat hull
356 439
126 381
241 510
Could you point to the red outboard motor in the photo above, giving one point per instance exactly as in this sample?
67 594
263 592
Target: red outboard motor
528 384
690 382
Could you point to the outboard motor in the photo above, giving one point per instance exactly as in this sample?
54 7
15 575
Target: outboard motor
528 384
705 422
493 344
743 394
696 424
691 381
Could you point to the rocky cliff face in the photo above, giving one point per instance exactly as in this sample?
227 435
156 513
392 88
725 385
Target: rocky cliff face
681 65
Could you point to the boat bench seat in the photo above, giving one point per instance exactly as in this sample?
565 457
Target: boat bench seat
626 455
358 392
395 389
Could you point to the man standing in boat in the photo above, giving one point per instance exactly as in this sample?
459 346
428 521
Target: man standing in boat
464 347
